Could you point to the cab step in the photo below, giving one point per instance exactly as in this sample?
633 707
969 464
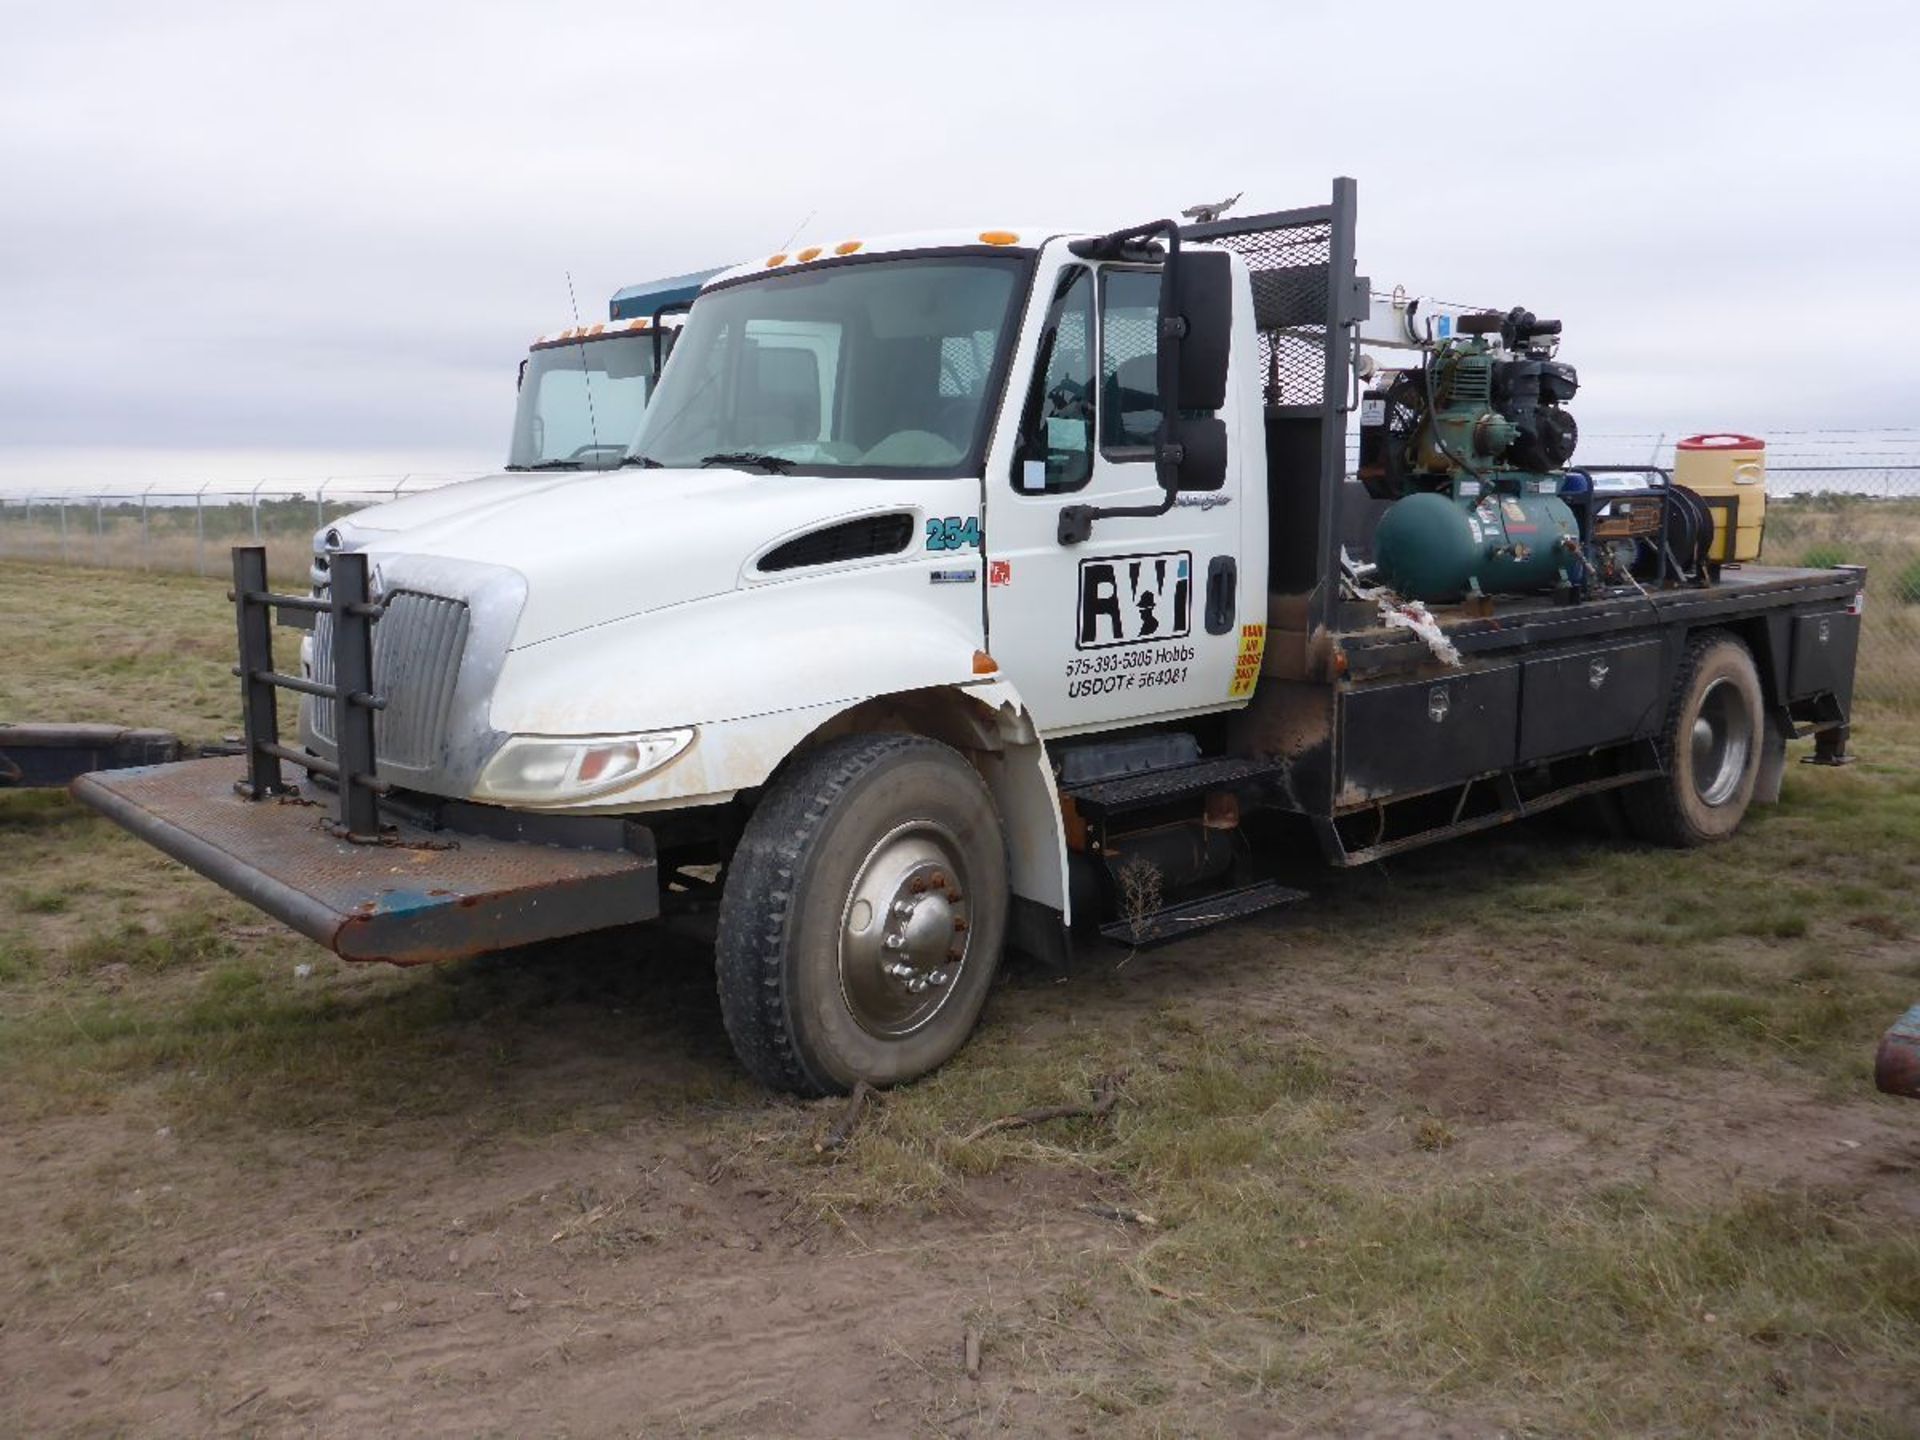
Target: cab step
1097 799
1189 917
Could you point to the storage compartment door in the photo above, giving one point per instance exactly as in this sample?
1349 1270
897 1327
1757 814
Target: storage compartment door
1570 704
1422 734
1824 649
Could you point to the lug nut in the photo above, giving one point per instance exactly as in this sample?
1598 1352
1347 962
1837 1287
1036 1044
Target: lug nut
959 924
896 942
938 880
938 977
919 886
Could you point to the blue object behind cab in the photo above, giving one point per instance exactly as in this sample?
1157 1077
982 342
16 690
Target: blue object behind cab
637 300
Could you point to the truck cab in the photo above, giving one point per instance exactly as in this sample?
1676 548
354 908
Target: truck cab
957 592
583 389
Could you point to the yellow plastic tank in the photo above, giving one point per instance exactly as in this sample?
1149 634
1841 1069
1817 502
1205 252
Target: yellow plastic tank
1729 472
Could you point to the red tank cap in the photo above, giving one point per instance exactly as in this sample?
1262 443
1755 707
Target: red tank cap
1718 441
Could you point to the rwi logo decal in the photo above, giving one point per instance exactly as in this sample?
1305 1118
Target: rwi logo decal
1127 599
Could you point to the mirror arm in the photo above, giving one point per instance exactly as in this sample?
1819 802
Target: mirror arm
672 307
1076 521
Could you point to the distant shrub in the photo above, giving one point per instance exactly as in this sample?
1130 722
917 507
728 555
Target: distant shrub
1906 585
1823 557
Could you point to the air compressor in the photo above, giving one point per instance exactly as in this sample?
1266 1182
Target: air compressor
1471 448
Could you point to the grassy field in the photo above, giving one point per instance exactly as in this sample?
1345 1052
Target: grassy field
1531 1134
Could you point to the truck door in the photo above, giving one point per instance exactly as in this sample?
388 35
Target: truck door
1142 620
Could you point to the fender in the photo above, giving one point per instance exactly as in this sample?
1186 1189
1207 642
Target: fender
757 692
988 723
1021 779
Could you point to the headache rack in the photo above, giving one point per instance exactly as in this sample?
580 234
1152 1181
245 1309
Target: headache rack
353 613
1307 302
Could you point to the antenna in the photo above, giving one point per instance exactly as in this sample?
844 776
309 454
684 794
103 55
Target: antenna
586 376
788 243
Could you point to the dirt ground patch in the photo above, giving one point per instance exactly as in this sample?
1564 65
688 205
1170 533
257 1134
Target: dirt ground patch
1530 1135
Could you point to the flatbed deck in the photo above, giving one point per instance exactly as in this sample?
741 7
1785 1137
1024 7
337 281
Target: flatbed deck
1530 622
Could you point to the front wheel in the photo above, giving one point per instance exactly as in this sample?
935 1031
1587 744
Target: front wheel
1713 743
863 916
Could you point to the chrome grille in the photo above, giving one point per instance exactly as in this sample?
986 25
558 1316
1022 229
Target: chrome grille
417 645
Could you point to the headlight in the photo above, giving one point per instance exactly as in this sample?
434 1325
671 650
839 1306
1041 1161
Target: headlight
543 767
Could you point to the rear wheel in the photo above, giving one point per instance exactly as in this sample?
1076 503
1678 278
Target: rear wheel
1712 744
863 916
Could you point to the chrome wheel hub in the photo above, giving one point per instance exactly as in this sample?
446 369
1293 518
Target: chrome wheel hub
905 930
1722 740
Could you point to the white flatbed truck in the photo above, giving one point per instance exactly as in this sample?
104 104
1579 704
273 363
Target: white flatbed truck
911 627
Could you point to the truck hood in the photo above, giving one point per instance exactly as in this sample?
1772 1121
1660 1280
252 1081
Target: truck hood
427 507
600 546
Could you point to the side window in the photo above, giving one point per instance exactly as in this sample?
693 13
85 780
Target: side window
1129 374
1064 405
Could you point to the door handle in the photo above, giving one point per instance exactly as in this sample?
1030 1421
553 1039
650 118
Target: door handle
1222 580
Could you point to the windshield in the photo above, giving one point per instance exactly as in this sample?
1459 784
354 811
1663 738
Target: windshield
580 404
880 366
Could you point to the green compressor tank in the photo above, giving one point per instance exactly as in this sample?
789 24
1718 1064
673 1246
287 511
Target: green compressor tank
1436 547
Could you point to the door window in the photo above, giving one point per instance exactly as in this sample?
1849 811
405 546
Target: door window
1062 409
1129 364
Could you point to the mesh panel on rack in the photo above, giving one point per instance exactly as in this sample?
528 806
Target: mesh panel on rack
964 360
1289 272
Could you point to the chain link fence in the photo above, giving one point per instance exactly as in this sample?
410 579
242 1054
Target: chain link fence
1856 515
190 530
1828 505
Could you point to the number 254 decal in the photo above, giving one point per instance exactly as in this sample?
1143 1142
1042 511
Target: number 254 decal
953 533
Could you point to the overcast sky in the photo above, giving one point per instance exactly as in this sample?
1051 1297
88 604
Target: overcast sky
275 239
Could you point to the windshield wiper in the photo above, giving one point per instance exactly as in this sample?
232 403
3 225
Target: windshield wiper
645 462
747 459
549 465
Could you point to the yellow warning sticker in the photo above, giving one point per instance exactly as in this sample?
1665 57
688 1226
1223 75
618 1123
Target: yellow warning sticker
1246 667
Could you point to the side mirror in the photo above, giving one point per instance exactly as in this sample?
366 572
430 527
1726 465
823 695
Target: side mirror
1196 334
1201 296
520 380
1203 454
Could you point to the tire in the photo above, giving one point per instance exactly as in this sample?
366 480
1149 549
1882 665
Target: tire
1712 746
867 841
